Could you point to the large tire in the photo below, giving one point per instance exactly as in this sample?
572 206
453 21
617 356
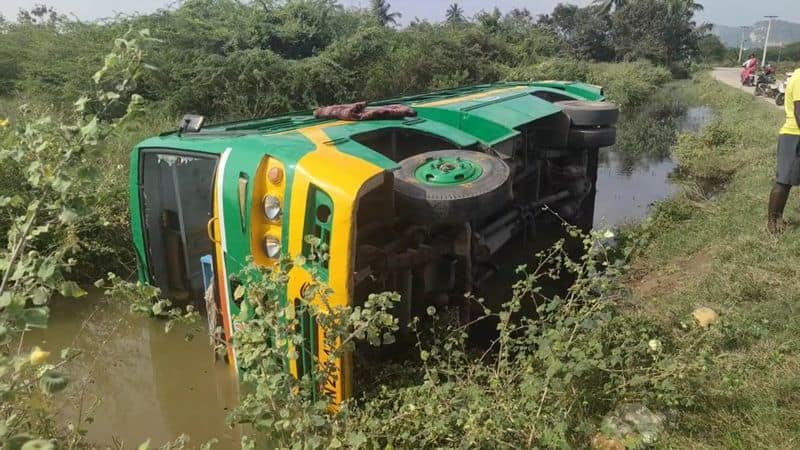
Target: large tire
431 203
590 114
592 137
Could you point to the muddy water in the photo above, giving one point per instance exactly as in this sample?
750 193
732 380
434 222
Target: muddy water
141 383
144 384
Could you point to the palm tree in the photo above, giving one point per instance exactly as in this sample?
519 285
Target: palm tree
454 14
605 6
677 6
380 9
684 34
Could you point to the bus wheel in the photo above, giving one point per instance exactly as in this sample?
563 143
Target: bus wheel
451 186
590 114
592 137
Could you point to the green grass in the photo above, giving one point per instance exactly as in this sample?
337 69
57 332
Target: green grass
716 252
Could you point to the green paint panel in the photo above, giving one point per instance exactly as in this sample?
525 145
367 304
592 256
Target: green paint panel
581 91
252 149
448 171
492 119
137 216
512 112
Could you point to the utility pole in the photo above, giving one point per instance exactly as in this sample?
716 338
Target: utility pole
741 44
766 39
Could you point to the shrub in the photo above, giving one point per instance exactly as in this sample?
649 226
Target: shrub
629 84
545 380
551 69
40 239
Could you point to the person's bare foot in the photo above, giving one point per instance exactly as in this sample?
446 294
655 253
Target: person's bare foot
776 226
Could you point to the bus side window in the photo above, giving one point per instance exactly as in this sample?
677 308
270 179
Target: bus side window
318 223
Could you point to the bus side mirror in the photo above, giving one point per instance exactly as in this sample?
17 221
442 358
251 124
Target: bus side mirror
191 123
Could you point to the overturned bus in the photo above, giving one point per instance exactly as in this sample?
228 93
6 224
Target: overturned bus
418 205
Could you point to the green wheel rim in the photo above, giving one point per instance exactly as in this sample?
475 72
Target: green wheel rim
448 171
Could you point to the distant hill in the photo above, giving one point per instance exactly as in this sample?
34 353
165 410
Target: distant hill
782 33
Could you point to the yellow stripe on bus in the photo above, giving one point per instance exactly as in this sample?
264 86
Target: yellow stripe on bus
341 176
466 98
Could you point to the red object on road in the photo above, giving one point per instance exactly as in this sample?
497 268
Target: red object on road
748 74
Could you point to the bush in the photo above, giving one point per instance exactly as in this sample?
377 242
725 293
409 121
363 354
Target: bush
545 381
37 257
551 69
629 84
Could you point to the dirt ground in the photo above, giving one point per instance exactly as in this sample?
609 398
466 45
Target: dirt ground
731 76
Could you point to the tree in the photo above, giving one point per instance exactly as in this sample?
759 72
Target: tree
39 15
454 14
682 34
605 6
678 6
490 20
711 48
585 32
562 20
519 18
663 31
590 37
380 9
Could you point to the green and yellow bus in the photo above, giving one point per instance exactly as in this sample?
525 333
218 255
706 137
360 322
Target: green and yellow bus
419 205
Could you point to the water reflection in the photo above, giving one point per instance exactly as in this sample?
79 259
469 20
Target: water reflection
625 194
636 173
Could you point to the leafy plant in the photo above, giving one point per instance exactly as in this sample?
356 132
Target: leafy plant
285 410
36 261
557 364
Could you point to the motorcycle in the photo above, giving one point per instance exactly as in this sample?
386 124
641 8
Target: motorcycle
766 83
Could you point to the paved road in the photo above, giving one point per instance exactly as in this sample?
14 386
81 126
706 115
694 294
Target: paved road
731 76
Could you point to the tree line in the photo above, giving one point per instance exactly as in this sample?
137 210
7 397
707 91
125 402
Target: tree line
226 58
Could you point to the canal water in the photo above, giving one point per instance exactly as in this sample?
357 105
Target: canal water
138 383
628 185
135 381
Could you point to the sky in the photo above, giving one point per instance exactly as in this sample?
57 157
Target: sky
725 12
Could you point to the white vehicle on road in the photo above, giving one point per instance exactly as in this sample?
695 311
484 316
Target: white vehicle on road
782 90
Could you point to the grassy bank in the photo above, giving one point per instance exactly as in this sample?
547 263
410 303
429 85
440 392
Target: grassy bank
708 247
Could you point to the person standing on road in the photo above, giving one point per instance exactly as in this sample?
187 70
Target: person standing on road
788 173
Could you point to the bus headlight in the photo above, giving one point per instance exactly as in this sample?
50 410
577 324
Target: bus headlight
272 207
272 246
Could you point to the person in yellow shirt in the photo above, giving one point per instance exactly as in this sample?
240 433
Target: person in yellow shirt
788 173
